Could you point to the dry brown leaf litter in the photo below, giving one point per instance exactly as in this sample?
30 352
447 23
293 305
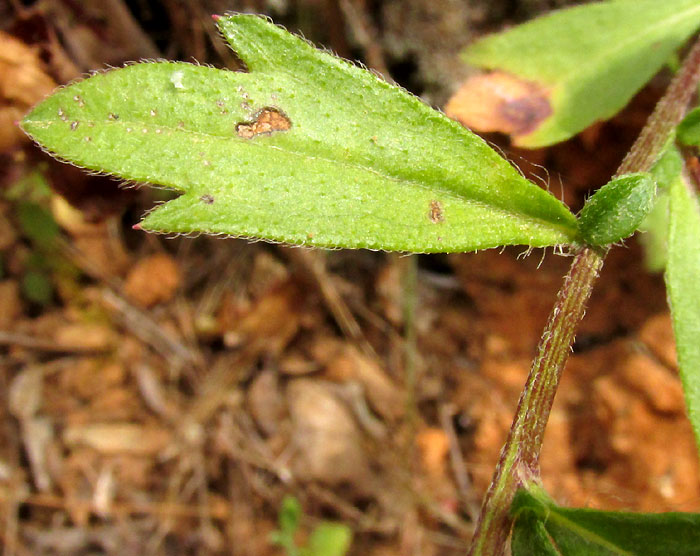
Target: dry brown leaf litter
175 422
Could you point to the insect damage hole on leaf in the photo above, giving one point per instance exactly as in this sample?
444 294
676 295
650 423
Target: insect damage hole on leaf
265 122
176 79
436 213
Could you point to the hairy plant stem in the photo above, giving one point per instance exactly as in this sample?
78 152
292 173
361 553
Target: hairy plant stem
519 460
518 464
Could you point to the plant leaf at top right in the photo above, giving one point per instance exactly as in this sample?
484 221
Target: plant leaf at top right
556 75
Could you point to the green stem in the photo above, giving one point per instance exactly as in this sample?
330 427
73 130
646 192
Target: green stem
519 460
667 114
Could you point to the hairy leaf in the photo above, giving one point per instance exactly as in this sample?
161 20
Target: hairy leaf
688 131
542 527
587 61
305 148
617 209
682 272
654 228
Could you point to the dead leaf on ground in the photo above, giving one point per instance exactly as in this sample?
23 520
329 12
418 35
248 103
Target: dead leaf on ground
118 438
385 397
295 363
270 324
23 82
26 393
433 446
37 437
265 401
88 336
153 280
499 101
10 303
328 440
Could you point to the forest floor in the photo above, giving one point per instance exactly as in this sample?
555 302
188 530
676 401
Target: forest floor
162 396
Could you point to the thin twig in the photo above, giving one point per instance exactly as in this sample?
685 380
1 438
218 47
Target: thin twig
31 342
149 331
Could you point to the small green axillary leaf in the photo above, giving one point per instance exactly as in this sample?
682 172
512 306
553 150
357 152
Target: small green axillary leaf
305 148
617 209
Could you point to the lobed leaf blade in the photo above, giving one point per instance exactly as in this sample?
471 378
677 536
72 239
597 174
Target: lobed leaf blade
359 163
588 61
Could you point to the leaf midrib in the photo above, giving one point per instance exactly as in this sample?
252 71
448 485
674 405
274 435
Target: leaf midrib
585 534
566 231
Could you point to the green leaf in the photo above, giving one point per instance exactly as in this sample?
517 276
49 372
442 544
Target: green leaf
289 515
37 224
688 131
37 287
530 536
654 238
682 272
355 162
543 528
288 520
617 209
590 60
329 539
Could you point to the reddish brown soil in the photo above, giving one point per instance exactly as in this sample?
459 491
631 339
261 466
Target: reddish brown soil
171 392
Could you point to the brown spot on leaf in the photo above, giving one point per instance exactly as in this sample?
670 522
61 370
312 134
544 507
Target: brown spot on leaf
266 121
207 199
499 101
436 213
